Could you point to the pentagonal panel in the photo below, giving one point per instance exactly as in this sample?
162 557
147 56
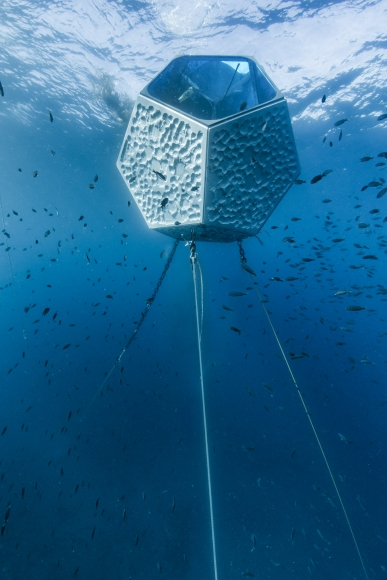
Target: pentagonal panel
252 162
162 163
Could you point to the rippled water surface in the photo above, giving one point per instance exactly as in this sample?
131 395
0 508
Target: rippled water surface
103 468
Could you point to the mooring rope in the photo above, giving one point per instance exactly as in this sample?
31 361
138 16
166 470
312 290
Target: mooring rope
255 286
202 296
193 258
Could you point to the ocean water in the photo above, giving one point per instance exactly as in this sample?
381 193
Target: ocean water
105 476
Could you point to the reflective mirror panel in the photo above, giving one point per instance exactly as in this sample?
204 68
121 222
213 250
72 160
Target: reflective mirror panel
212 87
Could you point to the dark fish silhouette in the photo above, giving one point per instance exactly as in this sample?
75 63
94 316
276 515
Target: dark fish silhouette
159 175
338 123
316 178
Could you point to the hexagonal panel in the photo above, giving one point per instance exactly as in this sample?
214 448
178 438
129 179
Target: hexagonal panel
209 150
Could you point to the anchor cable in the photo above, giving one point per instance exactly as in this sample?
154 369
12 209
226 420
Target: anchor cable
193 258
255 285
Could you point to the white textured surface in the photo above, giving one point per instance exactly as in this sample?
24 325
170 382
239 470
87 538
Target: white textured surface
162 159
251 164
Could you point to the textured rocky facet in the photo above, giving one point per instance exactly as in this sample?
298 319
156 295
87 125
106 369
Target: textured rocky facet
251 164
161 162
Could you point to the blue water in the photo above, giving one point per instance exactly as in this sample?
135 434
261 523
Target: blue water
74 455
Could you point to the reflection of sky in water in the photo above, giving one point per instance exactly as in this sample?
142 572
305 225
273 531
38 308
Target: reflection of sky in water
114 486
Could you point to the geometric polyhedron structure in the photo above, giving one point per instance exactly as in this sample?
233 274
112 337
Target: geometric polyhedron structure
209 150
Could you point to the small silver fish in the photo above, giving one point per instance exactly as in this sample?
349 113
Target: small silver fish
343 439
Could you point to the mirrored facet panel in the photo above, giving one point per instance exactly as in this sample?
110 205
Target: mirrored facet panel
212 87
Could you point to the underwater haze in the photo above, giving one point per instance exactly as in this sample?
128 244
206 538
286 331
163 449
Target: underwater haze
103 467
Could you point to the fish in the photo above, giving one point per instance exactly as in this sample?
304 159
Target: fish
323 99
383 154
338 123
51 117
299 182
4 430
268 387
316 178
227 308
91 185
35 173
234 294
364 159
381 192
243 106
248 269
291 278
344 438
321 536
1 90
337 240
235 329
355 308
295 219
186 95
248 574
380 118
164 202
327 172
340 136
159 175
370 257
254 539
95 178
296 356
66 346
